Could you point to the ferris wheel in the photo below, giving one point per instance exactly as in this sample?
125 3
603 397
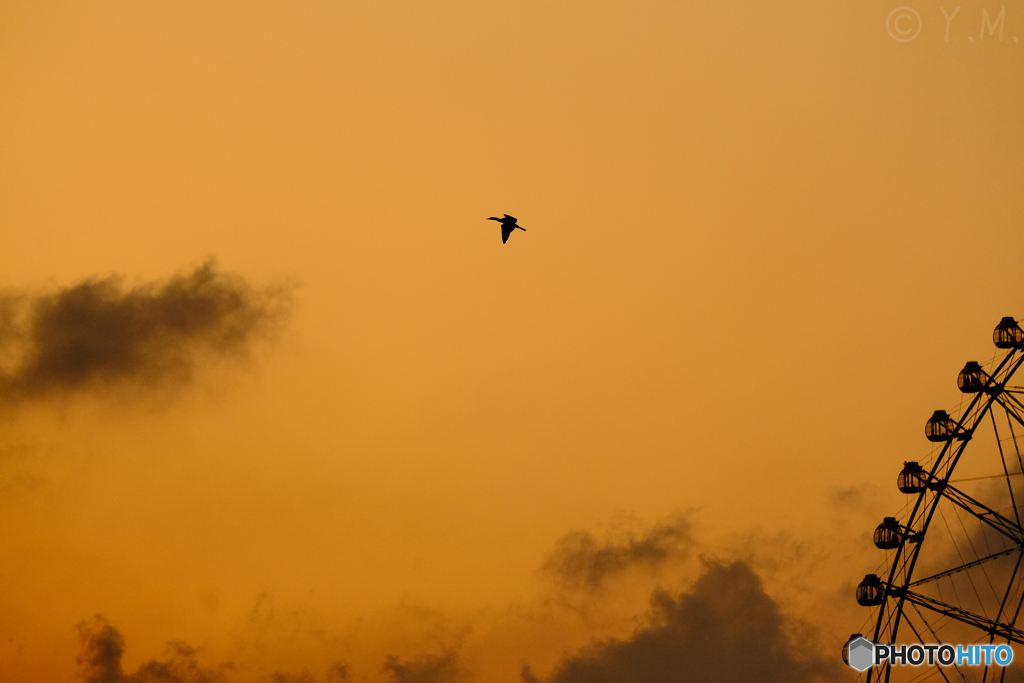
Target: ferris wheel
954 567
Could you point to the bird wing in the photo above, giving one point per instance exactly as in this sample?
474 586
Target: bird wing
510 218
506 230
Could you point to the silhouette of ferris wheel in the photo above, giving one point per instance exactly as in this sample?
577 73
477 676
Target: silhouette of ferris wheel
954 571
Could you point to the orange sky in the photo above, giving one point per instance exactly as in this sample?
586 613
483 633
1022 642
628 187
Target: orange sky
762 238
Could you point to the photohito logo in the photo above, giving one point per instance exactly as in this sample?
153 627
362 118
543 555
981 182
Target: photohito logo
862 654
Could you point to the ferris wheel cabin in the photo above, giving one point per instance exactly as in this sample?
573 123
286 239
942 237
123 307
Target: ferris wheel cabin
912 478
870 592
1008 334
972 378
888 534
940 426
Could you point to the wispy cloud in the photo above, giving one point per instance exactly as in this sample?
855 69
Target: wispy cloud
99 334
279 677
427 669
581 560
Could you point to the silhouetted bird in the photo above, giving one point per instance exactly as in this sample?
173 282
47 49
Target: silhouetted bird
508 224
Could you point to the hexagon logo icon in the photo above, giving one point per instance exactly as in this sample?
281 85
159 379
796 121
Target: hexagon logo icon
861 653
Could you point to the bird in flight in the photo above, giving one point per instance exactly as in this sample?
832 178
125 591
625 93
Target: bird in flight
508 224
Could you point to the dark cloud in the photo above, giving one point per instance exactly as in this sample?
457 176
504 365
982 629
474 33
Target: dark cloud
726 628
98 333
581 560
102 648
102 651
859 500
428 669
847 497
278 677
338 672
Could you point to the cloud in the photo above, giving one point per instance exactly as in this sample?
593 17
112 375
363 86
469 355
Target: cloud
858 501
726 628
102 648
98 333
723 627
428 669
851 496
580 560
338 672
278 677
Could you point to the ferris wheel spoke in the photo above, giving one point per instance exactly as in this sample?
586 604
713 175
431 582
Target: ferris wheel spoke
1003 525
1009 590
989 626
1016 446
1006 470
881 675
938 640
1010 368
922 641
1013 407
1011 395
964 567
1020 603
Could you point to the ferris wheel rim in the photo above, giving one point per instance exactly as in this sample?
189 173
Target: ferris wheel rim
936 489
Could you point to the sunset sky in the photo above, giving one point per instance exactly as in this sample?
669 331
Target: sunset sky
366 441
